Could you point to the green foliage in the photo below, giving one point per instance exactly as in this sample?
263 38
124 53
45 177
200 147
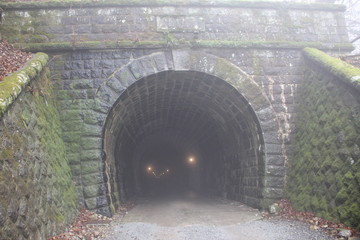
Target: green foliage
324 173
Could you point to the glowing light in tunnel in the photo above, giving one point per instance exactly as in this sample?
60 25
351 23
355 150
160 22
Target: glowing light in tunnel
152 171
191 160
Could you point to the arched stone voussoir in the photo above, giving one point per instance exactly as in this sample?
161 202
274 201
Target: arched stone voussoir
115 85
201 62
148 65
125 76
266 114
107 95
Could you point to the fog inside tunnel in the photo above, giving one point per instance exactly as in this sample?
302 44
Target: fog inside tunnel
181 132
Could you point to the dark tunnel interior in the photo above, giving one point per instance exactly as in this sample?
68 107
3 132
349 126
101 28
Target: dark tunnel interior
183 132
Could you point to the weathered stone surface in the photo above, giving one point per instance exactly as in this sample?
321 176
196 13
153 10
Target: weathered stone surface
35 180
2 216
274 208
323 172
194 23
235 94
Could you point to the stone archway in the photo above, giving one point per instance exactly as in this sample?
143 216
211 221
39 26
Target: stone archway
232 115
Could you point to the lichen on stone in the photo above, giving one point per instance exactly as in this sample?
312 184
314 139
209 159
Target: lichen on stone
12 85
344 71
323 175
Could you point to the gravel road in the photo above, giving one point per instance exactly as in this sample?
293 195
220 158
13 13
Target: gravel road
204 219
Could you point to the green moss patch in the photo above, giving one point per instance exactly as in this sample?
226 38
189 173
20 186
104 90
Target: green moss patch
339 68
270 4
12 85
323 175
34 165
97 45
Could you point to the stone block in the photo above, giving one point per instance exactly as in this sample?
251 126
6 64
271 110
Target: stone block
92 179
266 115
273 149
115 85
74 158
276 193
13 210
72 137
142 68
90 130
82 84
106 94
275 171
274 182
125 76
89 143
76 94
94 118
182 60
271 137
23 207
160 62
91 155
93 166
91 191
71 126
275 160
102 201
90 203
270 126
72 147
2 216
104 210
180 24
104 63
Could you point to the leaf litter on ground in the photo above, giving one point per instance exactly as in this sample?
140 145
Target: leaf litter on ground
11 59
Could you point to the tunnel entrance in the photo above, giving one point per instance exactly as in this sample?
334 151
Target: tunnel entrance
179 132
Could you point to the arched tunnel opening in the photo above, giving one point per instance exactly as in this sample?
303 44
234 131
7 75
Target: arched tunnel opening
183 133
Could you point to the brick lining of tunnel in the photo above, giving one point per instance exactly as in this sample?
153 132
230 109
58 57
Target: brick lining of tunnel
199 114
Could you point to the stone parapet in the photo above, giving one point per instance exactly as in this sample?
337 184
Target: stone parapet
98 25
12 85
342 70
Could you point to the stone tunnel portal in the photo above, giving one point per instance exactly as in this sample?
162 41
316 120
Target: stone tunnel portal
180 132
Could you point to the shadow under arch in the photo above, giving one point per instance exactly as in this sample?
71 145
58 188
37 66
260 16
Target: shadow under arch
224 105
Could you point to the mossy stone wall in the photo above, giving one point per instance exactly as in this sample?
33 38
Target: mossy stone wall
36 189
67 25
324 173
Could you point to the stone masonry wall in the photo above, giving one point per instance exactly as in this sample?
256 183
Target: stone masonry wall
36 188
86 89
57 25
98 49
324 173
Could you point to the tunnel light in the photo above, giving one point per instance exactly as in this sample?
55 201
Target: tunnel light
167 170
191 160
149 168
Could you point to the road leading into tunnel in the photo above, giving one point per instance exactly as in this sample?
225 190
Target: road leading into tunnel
195 218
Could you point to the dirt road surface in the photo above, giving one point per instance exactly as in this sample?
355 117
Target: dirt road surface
193 218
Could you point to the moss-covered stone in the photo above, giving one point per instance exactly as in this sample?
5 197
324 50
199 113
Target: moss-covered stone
324 171
12 85
93 45
341 69
33 163
271 4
